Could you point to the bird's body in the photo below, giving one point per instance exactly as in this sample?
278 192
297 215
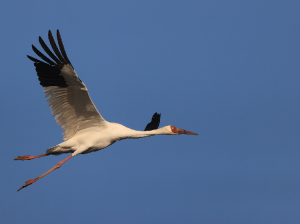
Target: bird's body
85 130
96 138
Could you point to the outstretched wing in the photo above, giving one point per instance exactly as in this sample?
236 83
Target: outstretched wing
154 122
67 95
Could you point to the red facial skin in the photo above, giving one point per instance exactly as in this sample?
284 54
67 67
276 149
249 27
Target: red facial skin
174 129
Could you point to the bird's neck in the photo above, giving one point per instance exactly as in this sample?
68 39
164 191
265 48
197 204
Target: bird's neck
143 134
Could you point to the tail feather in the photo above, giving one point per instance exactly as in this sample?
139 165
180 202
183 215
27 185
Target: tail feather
57 150
51 150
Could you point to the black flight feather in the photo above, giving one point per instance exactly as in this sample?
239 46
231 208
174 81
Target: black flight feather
47 50
54 46
154 122
61 47
42 56
49 72
35 60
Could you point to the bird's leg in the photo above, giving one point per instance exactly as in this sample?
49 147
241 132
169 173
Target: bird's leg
29 157
28 182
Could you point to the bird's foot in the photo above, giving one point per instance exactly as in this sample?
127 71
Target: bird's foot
24 157
29 157
28 182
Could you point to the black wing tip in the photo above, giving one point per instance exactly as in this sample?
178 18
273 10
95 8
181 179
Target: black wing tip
35 60
154 124
32 58
62 48
60 57
48 71
50 34
156 115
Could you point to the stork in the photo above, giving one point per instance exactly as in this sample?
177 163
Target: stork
85 130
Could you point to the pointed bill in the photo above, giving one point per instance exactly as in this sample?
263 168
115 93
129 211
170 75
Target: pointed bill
181 131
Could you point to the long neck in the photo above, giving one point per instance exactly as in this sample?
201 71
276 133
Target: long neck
143 134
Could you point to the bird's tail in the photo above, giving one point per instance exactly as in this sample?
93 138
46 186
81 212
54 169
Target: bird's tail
58 149
51 150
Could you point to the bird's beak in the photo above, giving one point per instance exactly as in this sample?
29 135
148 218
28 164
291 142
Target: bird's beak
181 131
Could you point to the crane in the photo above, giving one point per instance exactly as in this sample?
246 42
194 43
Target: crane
84 129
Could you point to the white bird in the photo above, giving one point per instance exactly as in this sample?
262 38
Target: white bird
85 130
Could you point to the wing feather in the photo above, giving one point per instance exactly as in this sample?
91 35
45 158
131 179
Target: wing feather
48 51
42 56
61 47
67 95
34 59
54 46
154 124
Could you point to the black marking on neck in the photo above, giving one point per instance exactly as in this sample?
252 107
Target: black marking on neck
154 124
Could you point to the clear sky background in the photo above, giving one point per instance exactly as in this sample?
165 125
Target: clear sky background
228 70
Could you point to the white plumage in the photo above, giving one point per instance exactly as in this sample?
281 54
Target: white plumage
72 106
85 130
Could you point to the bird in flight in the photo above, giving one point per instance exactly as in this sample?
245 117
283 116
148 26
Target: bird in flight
85 130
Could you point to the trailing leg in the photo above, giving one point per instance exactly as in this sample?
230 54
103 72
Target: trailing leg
49 171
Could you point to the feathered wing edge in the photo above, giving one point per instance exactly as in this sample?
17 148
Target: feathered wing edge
49 72
67 95
154 124
60 56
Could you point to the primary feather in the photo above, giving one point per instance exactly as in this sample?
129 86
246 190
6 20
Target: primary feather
154 124
67 95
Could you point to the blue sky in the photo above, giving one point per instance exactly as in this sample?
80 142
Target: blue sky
228 70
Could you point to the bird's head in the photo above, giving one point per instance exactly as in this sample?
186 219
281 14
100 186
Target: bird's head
177 131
